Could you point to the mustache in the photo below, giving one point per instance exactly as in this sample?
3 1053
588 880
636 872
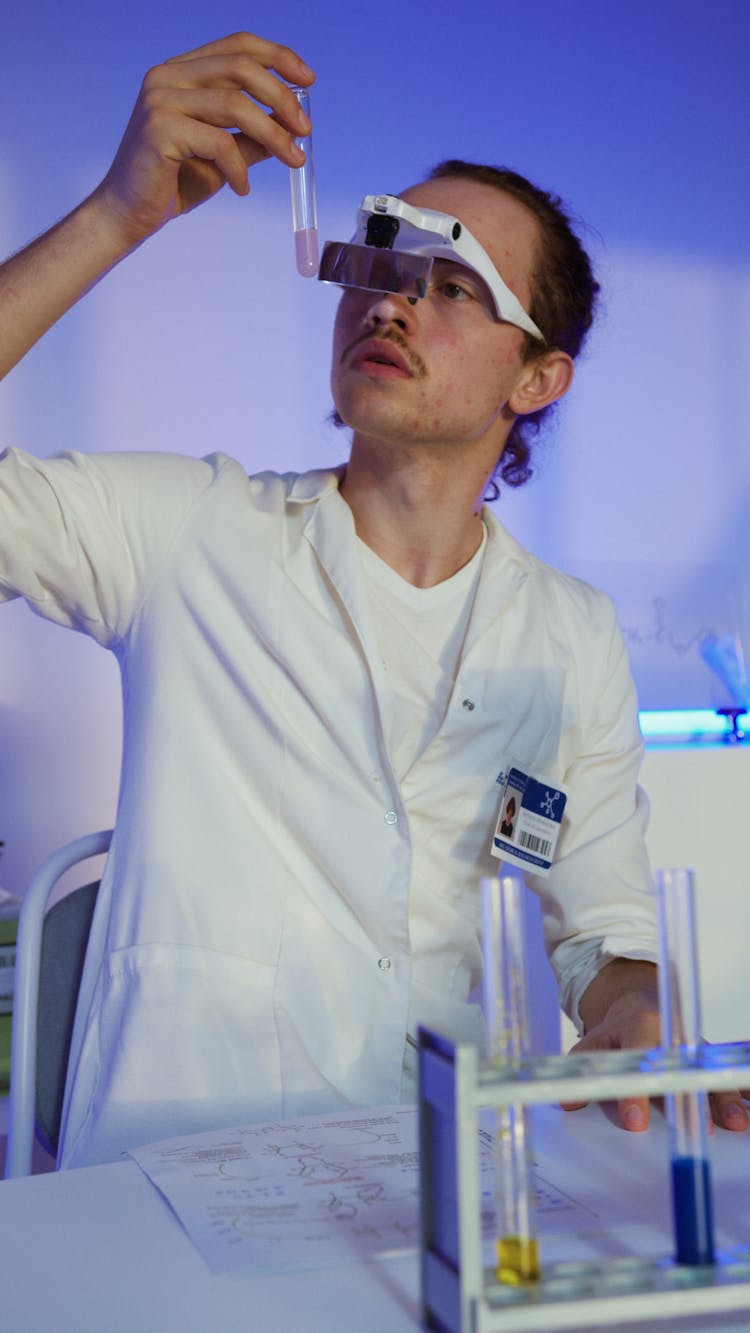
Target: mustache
393 335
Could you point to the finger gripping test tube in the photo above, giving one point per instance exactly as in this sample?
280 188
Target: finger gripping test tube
687 1113
304 207
506 1017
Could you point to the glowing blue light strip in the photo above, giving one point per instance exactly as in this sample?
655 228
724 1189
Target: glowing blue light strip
697 723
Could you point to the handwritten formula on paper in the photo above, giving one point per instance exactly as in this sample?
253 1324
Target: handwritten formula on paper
291 1193
313 1191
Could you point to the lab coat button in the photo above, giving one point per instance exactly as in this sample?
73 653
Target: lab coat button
391 817
384 964
469 705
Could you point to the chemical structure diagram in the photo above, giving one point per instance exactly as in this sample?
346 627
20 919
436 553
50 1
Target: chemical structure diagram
360 1175
282 1195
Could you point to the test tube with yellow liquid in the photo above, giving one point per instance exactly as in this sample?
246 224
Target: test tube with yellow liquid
507 1020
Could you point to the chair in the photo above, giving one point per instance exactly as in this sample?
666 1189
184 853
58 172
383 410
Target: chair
49 959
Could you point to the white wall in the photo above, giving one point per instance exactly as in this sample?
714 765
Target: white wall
699 814
637 112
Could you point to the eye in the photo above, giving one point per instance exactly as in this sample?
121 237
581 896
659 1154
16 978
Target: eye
454 290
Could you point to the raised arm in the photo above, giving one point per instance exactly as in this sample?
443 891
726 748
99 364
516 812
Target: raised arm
200 121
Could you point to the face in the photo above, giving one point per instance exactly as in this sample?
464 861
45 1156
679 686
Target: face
444 369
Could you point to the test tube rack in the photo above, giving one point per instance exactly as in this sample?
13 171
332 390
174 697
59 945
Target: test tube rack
458 1294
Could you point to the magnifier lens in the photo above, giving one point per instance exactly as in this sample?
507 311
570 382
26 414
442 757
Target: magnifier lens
372 269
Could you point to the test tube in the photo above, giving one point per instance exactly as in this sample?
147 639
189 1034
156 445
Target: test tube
687 1113
506 1016
304 207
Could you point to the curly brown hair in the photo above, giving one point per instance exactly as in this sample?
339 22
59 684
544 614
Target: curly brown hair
563 296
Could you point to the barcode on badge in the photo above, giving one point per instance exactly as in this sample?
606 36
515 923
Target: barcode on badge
542 846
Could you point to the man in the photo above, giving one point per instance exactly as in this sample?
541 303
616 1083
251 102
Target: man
307 804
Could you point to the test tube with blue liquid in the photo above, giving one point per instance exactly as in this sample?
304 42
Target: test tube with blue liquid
304 207
506 1017
687 1113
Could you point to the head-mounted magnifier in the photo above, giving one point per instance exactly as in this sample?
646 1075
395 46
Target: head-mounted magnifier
393 250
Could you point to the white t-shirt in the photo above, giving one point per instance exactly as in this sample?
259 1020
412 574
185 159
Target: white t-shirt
420 633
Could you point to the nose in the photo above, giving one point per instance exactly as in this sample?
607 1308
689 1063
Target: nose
389 308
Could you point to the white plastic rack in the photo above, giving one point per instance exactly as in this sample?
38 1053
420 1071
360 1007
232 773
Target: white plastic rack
458 1294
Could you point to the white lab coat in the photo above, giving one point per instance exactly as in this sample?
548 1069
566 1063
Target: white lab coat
278 912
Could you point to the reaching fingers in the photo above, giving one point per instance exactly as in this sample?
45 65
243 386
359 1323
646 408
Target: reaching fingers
200 121
728 1110
251 65
195 122
235 89
229 93
272 55
576 1105
633 1113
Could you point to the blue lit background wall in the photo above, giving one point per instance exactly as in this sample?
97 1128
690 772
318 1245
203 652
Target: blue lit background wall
636 111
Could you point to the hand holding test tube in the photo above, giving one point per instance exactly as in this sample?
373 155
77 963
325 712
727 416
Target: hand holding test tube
304 208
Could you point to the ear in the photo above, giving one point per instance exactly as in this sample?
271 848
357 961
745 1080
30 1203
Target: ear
541 382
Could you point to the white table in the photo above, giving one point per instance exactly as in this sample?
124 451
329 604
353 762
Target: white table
97 1250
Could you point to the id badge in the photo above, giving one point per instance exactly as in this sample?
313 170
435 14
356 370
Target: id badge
528 824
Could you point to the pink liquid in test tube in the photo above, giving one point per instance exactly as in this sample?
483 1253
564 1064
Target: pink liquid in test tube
304 208
306 252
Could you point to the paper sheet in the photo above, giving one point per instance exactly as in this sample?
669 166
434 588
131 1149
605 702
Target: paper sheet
322 1189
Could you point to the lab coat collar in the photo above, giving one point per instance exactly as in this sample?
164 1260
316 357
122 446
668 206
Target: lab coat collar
329 528
310 486
506 565
505 569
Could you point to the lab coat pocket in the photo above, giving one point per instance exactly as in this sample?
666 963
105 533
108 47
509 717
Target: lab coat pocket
186 1039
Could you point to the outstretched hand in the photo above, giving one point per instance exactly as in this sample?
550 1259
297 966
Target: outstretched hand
200 121
630 1021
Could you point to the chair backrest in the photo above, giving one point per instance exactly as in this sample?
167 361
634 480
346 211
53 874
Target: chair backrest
65 935
49 958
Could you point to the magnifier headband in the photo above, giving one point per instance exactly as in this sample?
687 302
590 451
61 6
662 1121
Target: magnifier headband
393 250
